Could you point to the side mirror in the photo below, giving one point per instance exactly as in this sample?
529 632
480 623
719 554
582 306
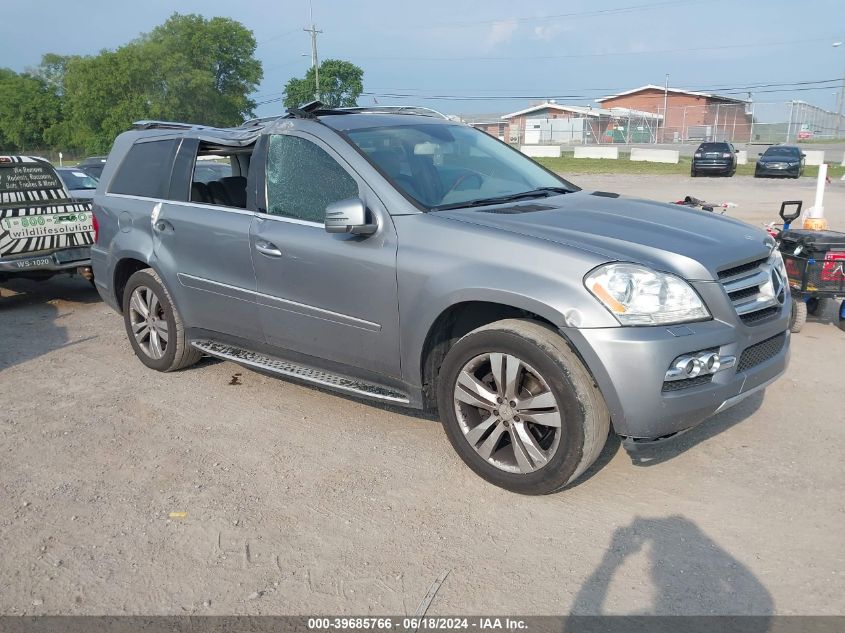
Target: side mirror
759 153
348 216
803 155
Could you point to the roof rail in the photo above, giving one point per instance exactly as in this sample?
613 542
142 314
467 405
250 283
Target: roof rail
259 121
417 110
164 125
316 109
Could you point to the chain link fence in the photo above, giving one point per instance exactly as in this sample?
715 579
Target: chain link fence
756 123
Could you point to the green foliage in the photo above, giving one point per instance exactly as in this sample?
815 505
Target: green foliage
28 109
188 69
341 84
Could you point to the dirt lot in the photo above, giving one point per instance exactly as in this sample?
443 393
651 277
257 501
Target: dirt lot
299 501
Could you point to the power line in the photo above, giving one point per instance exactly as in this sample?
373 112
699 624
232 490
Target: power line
275 37
577 95
560 16
589 55
739 86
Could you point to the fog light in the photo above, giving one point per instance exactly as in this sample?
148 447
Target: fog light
692 367
697 364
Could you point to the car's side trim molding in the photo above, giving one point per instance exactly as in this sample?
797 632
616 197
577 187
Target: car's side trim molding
182 203
244 294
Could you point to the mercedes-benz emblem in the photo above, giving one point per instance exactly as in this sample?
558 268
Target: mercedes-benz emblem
778 289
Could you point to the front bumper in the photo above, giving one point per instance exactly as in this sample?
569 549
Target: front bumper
764 170
712 166
57 261
629 365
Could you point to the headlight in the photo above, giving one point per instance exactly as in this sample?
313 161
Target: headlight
793 164
637 295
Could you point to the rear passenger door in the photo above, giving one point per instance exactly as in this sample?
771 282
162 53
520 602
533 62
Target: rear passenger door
329 296
203 251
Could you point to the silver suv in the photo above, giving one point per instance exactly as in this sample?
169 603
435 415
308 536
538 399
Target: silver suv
417 261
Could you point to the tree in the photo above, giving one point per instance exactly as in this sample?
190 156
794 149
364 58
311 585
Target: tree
341 83
28 109
188 69
208 69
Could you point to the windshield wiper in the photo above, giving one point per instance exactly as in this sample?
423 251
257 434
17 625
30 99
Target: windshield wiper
540 192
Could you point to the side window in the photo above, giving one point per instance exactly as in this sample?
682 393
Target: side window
302 179
145 170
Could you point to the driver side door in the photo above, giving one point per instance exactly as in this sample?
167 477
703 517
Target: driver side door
328 296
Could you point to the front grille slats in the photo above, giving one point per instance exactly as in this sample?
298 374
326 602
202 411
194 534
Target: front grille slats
761 352
742 268
753 318
750 289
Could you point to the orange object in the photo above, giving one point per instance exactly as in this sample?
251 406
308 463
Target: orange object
815 224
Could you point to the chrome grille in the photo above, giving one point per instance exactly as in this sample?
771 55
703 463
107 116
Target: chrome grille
756 290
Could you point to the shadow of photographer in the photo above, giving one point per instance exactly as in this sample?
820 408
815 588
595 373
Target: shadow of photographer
689 574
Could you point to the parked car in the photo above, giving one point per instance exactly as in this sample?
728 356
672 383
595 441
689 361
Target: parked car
714 158
80 185
93 166
417 261
781 160
42 231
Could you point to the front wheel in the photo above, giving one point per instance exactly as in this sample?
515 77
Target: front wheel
520 408
153 324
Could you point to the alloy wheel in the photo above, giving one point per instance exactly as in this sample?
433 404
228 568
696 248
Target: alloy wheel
148 321
507 412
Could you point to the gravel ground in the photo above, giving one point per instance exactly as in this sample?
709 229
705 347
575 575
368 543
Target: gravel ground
298 501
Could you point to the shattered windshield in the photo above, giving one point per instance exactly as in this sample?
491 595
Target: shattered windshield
442 166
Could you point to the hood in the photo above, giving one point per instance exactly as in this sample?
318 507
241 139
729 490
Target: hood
687 242
82 194
782 158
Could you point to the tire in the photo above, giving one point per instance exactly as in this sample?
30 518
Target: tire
693 173
842 316
169 355
816 306
562 450
799 315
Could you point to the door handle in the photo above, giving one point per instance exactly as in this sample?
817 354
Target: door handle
267 248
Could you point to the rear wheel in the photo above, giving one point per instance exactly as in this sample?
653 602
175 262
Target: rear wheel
799 315
153 324
816 306
519 407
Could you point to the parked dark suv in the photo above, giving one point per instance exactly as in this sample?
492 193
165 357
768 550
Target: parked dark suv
418 261
714 158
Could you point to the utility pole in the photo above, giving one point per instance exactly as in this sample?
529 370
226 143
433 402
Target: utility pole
840 101
665 107
314 61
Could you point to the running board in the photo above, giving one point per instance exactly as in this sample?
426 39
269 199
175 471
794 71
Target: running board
301 372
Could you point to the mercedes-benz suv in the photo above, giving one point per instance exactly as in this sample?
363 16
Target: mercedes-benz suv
417 261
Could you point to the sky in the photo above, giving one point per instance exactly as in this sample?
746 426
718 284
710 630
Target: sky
496 56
